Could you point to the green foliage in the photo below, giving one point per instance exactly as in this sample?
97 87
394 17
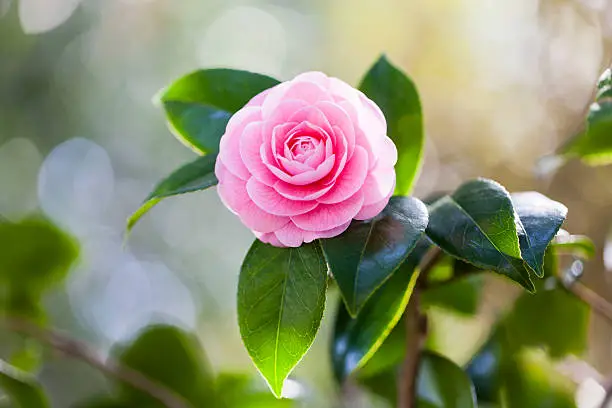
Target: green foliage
173 358
577 245
281 297
593 144
461 295
194 176
34 256
21 388
397 97
199 105
368 253
357 339
477 224
443 384
239 391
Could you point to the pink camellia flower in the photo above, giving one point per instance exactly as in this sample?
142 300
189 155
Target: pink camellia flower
304 158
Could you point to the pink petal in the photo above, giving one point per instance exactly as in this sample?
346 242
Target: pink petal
229 146
350 180
257 219
328 216
294 167
269 238
372 210
372 115
318 78
231 189
250 145
341 151
308 92
313 115
301 193
378 184
337 116
276 147
270 201
387 153
258 99
307 177
310 236
342 91
317 157
282 113
290 235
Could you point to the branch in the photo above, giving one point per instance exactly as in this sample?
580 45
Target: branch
81 351
416 332
600 305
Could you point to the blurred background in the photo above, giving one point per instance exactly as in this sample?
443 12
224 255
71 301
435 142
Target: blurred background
502 84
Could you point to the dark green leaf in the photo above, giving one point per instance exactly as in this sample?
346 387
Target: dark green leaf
577 245
200 104
397 97
443 384
388 356
357 339
477 224
552 319
102 402
22 389
383 384
173 358
540 218
366 255
194 176
281 297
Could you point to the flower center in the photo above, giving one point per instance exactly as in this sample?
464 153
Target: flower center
302 147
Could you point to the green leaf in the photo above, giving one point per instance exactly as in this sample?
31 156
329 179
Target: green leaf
541 219
199 105
578 245
594 144
531 380
194 176
21 388
281 297
355 340
443 384
366 255
477 224
552 319
460 295
397 97
240 391
486 368
35 255
173 358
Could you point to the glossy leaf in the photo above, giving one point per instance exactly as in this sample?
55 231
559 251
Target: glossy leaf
281 297
199 105
194 176
397 97
173 358
363 257
541 219
552 319
356 339
21 388
443 384
577 245
477 224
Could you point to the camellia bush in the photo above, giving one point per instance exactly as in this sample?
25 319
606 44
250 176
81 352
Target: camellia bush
322 173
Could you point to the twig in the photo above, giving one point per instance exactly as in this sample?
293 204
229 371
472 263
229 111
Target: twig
416 332
600 305
81 351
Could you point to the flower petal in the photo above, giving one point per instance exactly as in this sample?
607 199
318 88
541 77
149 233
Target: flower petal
302 193
269 238
308 92
350 180
231 189
269 200
290 235
337 116
257 219
379 183
314 116
372 210
326 217
250 152
310 236
229 146
307 177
